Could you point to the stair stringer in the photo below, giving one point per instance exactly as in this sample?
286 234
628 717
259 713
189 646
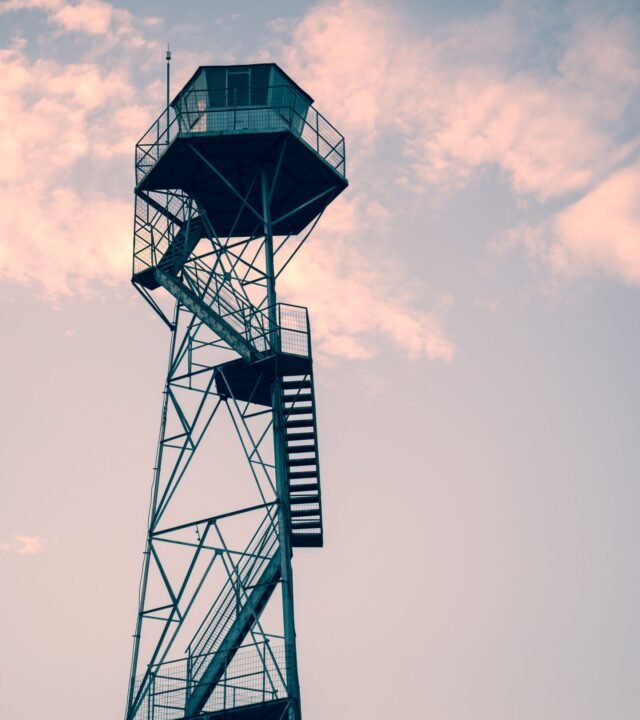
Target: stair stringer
238 631
211 319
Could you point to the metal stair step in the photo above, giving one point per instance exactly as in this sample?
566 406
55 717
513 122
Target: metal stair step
299 423
304 499
298 411
303 405
294 397
301 436
306 539
304 487
295 384
311 525
304 513
301 449
302 474
297 462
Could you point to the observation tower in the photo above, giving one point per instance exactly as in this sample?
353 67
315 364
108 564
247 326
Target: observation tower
230 181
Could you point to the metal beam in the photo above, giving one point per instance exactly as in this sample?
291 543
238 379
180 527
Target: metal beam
204 313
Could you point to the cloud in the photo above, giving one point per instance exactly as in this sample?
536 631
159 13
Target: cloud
93 17
23 545
12 5
553 130
359 43
359 301
465 98
602 230
598 234
549 96
56 230
537 135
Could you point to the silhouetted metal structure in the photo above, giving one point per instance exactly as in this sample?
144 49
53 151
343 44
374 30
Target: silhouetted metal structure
230 181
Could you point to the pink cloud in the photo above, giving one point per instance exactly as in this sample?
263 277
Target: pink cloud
23 545
348 54
601 231
536 134
9 5
359 301
53 231
456 105
93 17
355 42
597 234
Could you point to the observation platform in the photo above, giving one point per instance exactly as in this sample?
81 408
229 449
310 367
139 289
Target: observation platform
228 125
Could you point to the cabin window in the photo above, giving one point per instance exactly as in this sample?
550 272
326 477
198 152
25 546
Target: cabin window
238 87
260 85
216 84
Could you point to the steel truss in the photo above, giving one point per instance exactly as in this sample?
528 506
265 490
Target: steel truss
215 627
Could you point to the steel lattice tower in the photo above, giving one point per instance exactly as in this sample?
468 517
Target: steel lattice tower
230 181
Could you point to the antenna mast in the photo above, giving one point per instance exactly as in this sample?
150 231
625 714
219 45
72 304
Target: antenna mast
168 59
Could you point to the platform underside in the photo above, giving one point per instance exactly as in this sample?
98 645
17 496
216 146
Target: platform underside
252 382
239 158
273 710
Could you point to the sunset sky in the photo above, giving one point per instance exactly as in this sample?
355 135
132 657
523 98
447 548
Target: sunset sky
475 305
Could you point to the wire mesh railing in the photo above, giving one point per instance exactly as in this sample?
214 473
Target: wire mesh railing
258 109
159 220
155 141
293 330
232 597
254 674
292 334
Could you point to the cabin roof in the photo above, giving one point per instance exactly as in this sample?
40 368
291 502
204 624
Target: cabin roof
248 65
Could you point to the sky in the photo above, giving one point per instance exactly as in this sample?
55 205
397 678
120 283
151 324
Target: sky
474 298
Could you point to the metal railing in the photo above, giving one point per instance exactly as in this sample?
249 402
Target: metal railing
292 335
218 113
256 674
226 607
154 230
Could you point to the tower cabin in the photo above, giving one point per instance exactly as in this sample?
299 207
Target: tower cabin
241 99
230 125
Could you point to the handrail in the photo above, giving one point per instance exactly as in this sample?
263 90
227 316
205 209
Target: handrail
255 675
293 336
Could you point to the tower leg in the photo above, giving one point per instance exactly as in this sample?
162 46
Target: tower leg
284 519
129 711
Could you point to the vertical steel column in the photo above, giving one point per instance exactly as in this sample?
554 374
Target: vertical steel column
152 511
279 440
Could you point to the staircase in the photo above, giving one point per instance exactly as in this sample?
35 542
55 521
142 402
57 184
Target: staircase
232 615
182 246
221 326
176 253
303 467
